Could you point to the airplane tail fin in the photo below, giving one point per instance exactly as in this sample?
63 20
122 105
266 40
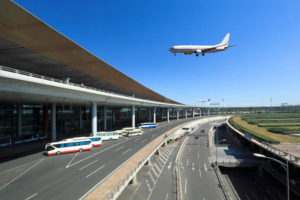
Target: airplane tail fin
225 40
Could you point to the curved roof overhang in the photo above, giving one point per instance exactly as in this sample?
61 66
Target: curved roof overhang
29 44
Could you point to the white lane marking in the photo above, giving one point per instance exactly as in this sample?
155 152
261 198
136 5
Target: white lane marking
71 160
185 184
205 168
151 177
153 136
209 160
136 139
174 169
143 140
95 171
155 165
119 148
181 165
148 185
8 170
31 196
22 173
169 166
87 165
155 173
199 172
198 155
167 196
187 162
161 163
193 167
165 157
97 153
162 160
203 198
126 151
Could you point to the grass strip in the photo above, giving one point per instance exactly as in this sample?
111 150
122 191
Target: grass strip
257 135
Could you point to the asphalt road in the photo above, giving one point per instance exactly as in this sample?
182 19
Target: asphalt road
198 179
70 176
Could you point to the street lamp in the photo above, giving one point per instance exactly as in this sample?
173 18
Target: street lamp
285 166
204 101
217 143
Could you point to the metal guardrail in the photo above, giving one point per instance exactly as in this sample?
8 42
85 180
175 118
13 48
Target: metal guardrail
123 183
266 146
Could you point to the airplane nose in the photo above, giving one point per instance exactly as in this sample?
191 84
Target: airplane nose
171 49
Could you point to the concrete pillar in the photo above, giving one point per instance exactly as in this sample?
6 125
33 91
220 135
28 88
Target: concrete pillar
154 115
149 112
80 118
200 112
53 121
104 118
133 116
186 113
168 115
20 114
45 120
133 181
177 114
193 111
94 118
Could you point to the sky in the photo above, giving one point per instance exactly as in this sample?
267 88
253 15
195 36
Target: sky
134 36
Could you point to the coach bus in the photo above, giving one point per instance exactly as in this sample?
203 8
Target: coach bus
62 147
132 131
96 140
108 135
148 125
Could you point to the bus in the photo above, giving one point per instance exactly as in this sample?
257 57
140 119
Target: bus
148 125
96 140
132 131
108 135
67 146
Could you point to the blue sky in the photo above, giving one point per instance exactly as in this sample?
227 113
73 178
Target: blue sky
134 37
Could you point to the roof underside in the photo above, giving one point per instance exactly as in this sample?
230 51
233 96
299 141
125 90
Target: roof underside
28 44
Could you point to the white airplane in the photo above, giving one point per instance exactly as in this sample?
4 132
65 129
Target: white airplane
201 49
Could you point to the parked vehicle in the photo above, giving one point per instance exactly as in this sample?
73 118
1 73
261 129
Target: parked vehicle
108 135
96 140
132 131
62 147
148 125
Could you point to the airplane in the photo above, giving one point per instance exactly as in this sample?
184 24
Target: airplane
201 49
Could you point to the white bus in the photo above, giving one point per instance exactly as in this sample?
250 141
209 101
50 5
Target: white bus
68 147
148 125
96 140
108 135
132 131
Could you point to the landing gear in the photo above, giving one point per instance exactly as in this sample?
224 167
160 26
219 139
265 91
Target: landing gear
203 54
174 54
197 54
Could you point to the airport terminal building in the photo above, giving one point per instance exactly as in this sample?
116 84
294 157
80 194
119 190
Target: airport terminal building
52 88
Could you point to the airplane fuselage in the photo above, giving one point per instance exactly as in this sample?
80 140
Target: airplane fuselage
201 49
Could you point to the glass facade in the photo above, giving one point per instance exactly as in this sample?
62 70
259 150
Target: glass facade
71 120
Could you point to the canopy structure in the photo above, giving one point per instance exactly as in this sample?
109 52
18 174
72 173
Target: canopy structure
28 44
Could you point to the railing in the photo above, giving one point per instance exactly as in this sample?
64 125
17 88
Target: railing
17 71
123 183
267 146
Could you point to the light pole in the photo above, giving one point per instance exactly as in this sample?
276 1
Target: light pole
217 143
204 101
285 166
